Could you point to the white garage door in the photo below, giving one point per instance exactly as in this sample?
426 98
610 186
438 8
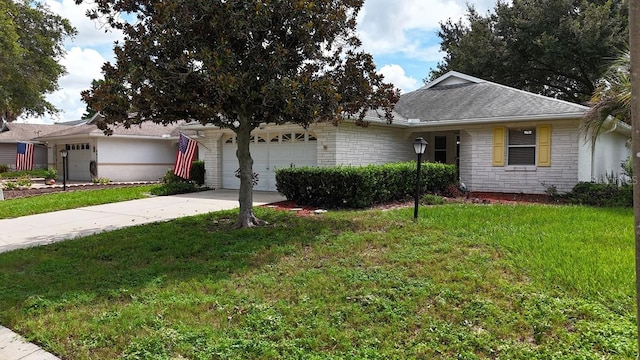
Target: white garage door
78 159
270 151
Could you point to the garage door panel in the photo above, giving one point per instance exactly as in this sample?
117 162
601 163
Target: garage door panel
78 165
267 158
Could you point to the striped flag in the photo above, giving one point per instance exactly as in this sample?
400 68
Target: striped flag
24 156
186 150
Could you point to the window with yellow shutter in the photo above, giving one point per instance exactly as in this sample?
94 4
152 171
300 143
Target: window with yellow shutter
521 148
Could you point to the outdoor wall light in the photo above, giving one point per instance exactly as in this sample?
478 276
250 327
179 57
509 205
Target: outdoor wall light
419 146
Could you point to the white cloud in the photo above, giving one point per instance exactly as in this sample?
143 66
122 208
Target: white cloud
401 26
396 75
83 65
91 33
86 53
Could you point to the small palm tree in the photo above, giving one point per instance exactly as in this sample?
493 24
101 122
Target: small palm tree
612 96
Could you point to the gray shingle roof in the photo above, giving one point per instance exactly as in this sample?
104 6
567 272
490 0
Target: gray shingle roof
15 132
147 128
456 96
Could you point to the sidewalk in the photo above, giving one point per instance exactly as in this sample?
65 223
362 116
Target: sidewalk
47 228
42 229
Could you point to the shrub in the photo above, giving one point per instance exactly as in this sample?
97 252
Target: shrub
175 188
170 178
51 173
10 185
431 199
101 180
360 186
197 172
4 168
599 194
24 181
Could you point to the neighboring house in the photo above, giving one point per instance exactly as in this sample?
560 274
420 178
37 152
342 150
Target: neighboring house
503 139
12 133
141 153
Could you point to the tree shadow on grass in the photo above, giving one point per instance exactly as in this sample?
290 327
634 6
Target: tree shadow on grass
191 248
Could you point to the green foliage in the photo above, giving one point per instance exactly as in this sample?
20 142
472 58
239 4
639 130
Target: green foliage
173 184
360 186
24 181
462 282
4 168
600 194
32 41
197 172
23 173
101 180
170 177
51 173
9 185
173 188
557 48
432 199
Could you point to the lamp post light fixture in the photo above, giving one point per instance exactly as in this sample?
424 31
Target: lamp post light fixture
64 153
419 146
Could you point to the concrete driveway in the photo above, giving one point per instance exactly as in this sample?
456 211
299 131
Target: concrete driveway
47 228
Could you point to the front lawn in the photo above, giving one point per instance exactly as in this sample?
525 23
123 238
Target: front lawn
465 282
70 200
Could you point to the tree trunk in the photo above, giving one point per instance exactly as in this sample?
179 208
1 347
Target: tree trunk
634 50
246 218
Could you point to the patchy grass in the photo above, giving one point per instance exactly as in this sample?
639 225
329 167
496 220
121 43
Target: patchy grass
38 173
12 208
465 281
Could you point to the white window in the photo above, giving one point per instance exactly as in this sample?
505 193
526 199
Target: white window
521 148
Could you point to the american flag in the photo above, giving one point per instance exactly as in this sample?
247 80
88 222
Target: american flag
24 157
186 150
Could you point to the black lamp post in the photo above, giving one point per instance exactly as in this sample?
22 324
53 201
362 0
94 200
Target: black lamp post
64 154
419 146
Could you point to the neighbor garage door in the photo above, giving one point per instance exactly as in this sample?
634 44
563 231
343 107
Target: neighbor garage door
78 162
270 151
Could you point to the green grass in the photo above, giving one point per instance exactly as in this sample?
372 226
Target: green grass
22 173
12 208
464 282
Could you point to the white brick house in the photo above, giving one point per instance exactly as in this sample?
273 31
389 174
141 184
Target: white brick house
502 139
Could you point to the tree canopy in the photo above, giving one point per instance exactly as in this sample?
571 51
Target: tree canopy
236 64
557 48
31 39
612 96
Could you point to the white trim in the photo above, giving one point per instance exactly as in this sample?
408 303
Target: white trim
452 74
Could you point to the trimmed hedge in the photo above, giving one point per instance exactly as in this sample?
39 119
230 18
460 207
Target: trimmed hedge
360 186
197 172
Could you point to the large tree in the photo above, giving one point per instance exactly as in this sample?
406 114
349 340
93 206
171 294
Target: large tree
236 64
31 43
634 60
557 48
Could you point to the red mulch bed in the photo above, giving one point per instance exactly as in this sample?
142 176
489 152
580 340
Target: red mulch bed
476 198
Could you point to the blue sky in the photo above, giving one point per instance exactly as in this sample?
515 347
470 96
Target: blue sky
400 34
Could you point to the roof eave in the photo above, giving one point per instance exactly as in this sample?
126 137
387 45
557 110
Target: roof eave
499 119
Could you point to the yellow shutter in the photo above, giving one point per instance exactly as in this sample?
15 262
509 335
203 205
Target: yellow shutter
498 146
544 145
